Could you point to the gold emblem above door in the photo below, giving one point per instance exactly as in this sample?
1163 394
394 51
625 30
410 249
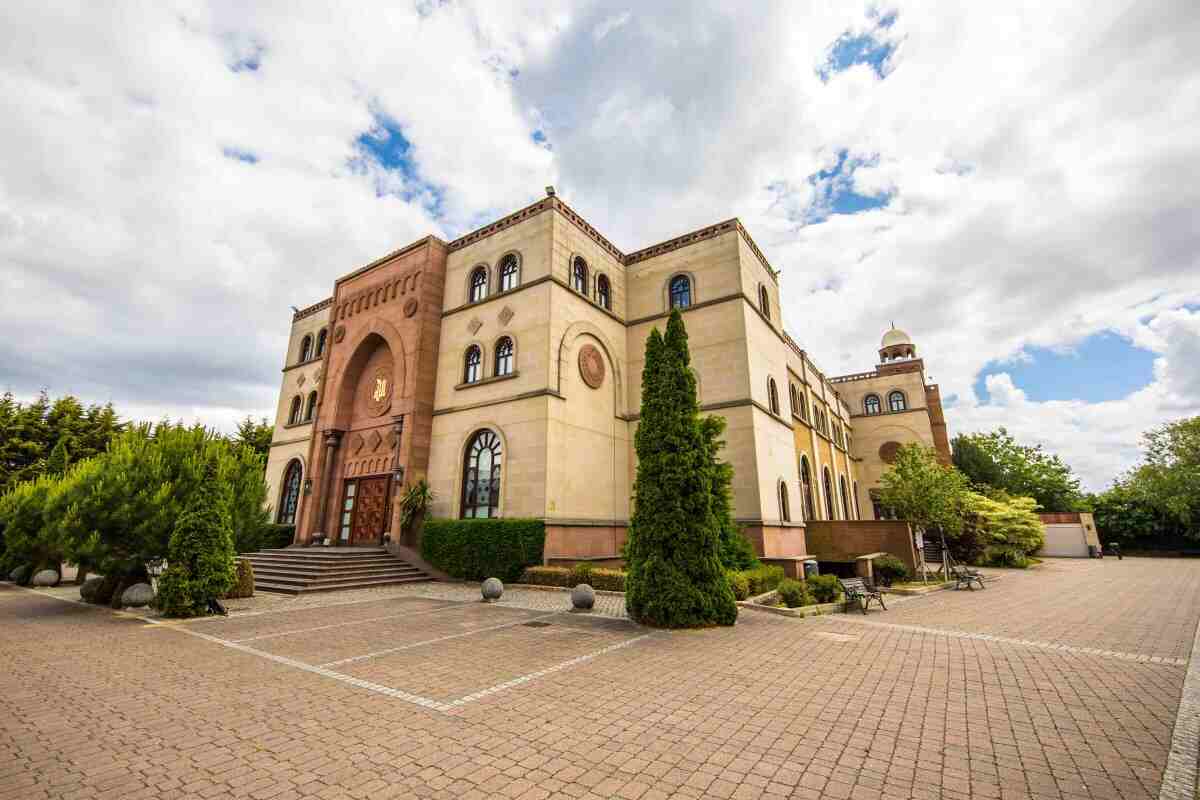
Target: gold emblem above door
380 399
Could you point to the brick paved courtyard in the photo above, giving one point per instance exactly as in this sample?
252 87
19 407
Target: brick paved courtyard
1060 682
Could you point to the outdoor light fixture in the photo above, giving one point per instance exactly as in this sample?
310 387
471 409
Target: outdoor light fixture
154 568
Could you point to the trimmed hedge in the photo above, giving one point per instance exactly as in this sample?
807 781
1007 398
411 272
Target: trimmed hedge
608 580
475 549
747 583
889 569
795 594
825 588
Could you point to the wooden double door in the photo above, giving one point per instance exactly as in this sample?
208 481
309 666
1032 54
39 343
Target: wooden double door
365 510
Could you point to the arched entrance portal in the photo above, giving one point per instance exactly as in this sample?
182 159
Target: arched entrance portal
369 451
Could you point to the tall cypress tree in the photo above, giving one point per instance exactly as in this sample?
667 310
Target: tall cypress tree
675 578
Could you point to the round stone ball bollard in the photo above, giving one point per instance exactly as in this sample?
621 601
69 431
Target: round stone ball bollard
583 597
138 596
491 589
46 577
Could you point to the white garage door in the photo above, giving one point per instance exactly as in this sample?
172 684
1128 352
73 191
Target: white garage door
1065 541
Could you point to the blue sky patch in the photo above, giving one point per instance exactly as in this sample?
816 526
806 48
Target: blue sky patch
833 190
237 154
387 145
869 48
1102 367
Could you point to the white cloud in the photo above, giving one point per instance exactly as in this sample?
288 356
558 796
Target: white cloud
1042 160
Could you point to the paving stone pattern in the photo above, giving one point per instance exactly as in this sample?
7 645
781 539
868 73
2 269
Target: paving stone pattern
911 704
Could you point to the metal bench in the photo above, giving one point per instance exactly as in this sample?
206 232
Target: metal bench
861 590
965 576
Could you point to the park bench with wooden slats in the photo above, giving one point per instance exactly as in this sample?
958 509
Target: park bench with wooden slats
861 590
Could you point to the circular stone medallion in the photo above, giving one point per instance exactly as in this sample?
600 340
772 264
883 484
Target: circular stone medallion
339 333
887 452
591 366
410 306
379 399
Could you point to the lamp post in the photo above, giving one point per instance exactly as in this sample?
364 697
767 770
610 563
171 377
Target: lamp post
154 568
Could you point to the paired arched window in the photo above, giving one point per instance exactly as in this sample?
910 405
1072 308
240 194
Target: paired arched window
803 406
828 486
579 276
604 293
784 512
772 396
680 291
794 393
806 489
310 408
473 364
296 410
481 476
871 405
504 356
289 494
322 340
764 302
510 272
479 284
306 345
845 496
896 401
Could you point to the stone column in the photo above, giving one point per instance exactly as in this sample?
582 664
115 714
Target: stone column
396 535
333 438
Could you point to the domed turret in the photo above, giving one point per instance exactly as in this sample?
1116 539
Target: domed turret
896 345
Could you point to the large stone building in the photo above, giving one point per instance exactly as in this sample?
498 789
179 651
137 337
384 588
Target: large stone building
892 405
505 368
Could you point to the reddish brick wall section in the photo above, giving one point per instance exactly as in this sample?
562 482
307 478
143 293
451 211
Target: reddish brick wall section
845 541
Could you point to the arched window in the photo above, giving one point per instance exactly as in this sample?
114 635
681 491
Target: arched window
479 284
806 490
604 293
481 476
306 348
310 408
504 356
510 272
795 397
896 401
871 404
681 291
846 510
784 513
579 276
294 414
322 339
828 482
472 364
772 396
289 494
764 302
803 407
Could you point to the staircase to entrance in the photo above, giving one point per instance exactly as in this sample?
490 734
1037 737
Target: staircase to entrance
303 570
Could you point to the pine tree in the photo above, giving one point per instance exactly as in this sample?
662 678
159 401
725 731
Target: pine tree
675 578
200 559
60 458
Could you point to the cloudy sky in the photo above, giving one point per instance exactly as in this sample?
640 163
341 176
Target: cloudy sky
1017 185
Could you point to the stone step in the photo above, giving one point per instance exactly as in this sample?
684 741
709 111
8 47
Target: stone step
314 564
291 577
316 573
284 588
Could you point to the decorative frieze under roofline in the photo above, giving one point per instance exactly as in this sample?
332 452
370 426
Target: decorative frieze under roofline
313 309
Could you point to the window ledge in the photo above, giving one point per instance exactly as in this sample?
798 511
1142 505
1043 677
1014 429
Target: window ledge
299 424
492 379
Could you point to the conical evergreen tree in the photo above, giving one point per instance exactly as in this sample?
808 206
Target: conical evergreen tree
675 578
60 458
200 558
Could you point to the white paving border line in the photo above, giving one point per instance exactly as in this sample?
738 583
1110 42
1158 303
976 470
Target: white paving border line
987 637
1179 778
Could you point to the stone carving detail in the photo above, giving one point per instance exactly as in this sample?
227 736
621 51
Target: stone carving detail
357 443
474 325
506 315
591 366
410 306
300 380
374 441
379 399
339 333
888 451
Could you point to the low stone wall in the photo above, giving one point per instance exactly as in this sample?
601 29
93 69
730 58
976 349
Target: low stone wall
846 540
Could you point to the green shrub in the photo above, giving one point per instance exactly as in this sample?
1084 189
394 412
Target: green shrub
277 537
582 573
200 560
739 583
608 580
795 593
475 549
888 568
104 590
547 576
824 588
244 582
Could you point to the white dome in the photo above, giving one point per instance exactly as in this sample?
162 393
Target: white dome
895 336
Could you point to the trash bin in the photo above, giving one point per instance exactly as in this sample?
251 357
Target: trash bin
810 568
1093 551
